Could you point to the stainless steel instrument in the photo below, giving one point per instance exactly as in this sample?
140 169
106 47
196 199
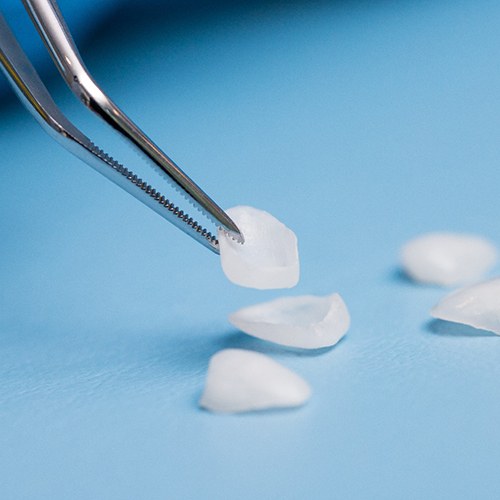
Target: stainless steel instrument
26 82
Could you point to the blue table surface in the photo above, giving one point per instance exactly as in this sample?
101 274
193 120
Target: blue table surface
360 125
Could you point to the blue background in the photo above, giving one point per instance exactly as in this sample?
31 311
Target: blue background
360 125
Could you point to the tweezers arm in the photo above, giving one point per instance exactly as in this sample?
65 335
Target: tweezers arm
52 27
28 86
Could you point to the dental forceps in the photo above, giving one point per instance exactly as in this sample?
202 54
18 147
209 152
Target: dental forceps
23 77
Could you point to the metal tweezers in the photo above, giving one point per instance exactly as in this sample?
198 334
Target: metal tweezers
50 23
